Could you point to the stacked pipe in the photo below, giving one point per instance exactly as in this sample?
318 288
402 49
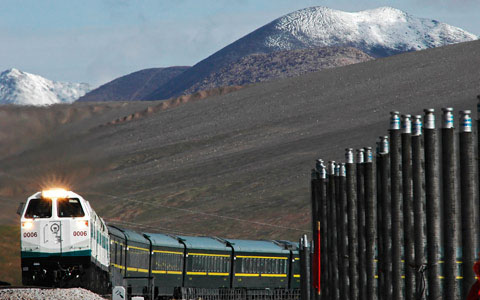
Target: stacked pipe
380 218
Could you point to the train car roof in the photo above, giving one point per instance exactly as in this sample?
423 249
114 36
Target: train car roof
288 245
133 236
257 246
115 231
159 239
203 242
130 235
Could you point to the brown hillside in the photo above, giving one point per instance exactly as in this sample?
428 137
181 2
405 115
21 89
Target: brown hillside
262 67
134 86
236 165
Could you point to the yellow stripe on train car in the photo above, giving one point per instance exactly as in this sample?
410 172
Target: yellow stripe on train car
168 252
247 275
265 257
218 274
208 254
138 248
137 270
118 266
196 273
273 275
166 272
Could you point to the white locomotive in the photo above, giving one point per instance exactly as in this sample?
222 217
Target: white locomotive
63 242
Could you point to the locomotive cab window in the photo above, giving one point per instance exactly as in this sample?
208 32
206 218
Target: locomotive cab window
69 208
39 208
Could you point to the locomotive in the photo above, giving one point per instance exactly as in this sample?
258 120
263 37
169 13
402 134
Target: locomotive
64 243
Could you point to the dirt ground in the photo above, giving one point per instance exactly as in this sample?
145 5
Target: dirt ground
236 165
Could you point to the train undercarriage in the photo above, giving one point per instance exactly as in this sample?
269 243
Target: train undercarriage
65 272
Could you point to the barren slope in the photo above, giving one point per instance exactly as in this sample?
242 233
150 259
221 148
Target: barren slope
282 64
219 165
133 86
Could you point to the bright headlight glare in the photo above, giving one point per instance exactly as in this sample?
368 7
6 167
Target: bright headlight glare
27 225
54 193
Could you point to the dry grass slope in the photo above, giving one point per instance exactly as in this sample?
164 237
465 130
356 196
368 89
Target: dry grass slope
10 270
228 165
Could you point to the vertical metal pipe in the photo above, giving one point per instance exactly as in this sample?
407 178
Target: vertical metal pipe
343 233
352 224
407 195
314 213
333 255
432 201
467 188
328 231
319 193
324 226
386 230
418 206
329 283
305 268
380 251
449 205
314 199
396 198
478 158
340 237
370 221
322 214
362 275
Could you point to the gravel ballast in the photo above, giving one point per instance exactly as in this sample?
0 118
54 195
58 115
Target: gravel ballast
50 294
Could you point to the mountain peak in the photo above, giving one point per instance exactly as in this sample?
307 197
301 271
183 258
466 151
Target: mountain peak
11 71
22 88
378 32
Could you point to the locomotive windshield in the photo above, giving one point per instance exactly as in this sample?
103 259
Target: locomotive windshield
39 208
69 208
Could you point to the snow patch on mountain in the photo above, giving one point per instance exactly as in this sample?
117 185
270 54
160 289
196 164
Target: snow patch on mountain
22 88
373 31
377 32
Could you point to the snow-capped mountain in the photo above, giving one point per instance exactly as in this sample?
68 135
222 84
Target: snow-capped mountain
378 32
17 87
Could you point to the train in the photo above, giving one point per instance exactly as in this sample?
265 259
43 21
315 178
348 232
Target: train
64 243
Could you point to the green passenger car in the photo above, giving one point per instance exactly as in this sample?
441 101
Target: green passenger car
167 263
260 264
208 262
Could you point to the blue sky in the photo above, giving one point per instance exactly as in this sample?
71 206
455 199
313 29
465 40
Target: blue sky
96 41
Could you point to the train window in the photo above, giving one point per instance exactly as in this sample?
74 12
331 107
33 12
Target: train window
39 208
115 255
121 255
69 208
211 263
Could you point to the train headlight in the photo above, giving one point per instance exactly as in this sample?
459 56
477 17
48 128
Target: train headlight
54 194
27 225
82 223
